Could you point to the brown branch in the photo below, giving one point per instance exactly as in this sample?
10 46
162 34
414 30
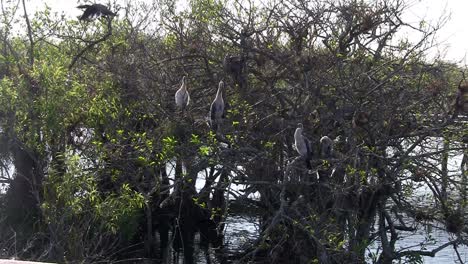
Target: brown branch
428 253
93 43
31 40
458 254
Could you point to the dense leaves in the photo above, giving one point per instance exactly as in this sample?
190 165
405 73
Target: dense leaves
99 165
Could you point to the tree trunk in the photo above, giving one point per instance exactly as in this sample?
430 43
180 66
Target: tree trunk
444 169
23 195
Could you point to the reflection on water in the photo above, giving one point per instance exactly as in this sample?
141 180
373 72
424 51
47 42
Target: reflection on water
241 231
427 241
447 255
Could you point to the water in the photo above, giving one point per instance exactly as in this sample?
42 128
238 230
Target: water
243 230
431 240
447 255
240 231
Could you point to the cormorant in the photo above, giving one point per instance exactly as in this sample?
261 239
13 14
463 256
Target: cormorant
94 11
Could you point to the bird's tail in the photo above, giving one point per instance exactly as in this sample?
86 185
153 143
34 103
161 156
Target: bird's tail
82 18
110 13
214 125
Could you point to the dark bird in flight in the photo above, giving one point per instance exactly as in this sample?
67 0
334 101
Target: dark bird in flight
93 11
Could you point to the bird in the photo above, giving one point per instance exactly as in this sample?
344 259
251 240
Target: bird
360 119
326 147
217 108
182 97
233 65
93 11
303 145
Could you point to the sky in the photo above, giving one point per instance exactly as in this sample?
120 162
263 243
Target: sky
452 39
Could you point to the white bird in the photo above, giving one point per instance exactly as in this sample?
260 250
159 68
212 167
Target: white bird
217 108
182 97
303 145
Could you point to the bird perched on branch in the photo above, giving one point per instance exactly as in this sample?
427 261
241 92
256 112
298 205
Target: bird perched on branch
182 97
360 119
234 65
217 108
94 11
326 147
461 102
303 145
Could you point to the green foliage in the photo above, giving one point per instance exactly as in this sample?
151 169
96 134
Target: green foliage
74 196
206 11
8 96
121 212
168 149
68 194
101 133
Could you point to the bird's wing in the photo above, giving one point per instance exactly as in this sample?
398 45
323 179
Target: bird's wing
85 16
177 97
107 12
213 110
308 145
88 13
223 114
187 96
104 10
100 6
95 10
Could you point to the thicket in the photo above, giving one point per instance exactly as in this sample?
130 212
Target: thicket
98 165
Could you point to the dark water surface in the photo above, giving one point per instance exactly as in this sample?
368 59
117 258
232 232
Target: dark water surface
242 231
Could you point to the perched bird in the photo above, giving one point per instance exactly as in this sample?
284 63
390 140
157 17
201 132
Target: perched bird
93 11
217 108
360 119
182 97
326 147
461 102
303 145
234 65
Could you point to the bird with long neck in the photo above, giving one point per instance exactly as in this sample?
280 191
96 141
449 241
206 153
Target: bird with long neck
217 108
303 146
182 97
326 147
326 153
